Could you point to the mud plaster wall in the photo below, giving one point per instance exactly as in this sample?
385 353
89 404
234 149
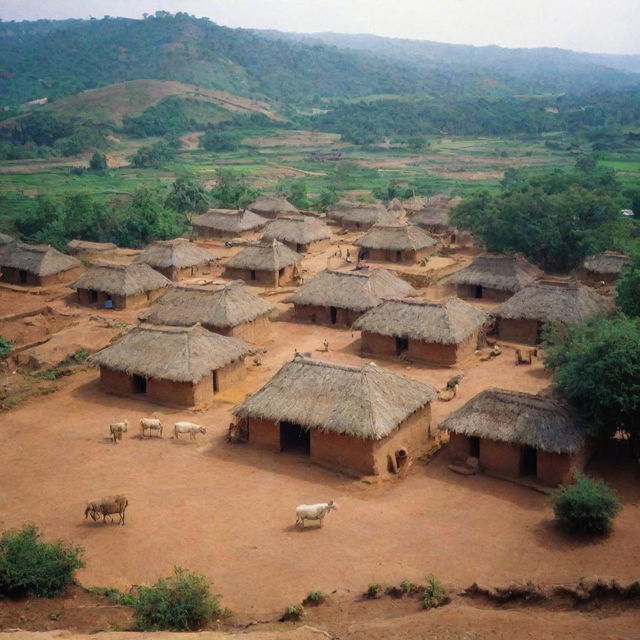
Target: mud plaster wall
322 315
408 256
12 276
308 247
262 277
256 331
176 274
558 468
518 330
468 292
500 457
231 374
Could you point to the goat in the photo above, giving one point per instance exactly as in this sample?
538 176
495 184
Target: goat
152 424
116 429
313 512
107 507
188 427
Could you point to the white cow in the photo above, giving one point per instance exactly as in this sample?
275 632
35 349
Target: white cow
151 424
188 427
313 512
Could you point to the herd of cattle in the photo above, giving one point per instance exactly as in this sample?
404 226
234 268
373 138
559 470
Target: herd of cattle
116 429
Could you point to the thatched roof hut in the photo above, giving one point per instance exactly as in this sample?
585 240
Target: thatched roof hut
520 418
121 279
396 237
178 354
298 232
265 262
434 220
76 247
176 259
605 266
363 402
36 264
271 206
224 223
358 215
5 239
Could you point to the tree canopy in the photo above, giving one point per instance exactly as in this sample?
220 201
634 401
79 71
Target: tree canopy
628 288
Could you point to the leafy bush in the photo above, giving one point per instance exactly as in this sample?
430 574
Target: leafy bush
293 612
372 590
30 567
315 597
588 506
220 141
435 595
628 289
181 602
5 347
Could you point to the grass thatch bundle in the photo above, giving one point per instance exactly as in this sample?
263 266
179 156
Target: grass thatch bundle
264 256
355 290
549 301
229 221
360 213
448 322
271 205
498 271
40 260
85 246
178 253
121 279
396 237
223 306
296 229
607 263
520 418
180 354
365 402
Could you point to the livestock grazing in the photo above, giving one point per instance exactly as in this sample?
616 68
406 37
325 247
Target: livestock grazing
188 427
313 512
107 507
151 424
116 429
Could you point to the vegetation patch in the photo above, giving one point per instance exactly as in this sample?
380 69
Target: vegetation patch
435 594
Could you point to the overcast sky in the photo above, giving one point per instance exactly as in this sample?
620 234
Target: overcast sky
602 26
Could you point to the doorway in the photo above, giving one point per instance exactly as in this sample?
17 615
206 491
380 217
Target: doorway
22 274
294 437
398 256
528 461
93 296
334 315
478 291
300 248
216 385
402 344
139 384
474 447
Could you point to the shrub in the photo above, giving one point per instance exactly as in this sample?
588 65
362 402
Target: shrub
315 597
5 347
30 567
293 612
181 602
407 587
435 595
588 506
372 590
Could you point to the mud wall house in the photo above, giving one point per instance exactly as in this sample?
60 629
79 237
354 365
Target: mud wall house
266 263
120 286
84 247
359 216
518 435
177 259
227 309
522 317
396 243
271 206
358 420
440 332
494 277
222 223
36 265
300 233
171 365
605 267
339 298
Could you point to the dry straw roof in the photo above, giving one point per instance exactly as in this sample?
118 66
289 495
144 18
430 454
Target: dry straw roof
365 402
41 260
5 239
85 245
270 204
548 301
354 290
608 262
431 218
178 253
121 279
179 354
230 221
448 322
360 213
396 238
498 271
520 418
297 229
265 256
223 306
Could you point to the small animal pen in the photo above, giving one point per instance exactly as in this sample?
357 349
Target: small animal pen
223 223
396 243
266 263
177 259
36 265
300 233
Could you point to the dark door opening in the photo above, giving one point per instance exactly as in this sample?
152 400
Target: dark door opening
528 461
398 256
402 344
478 292
23 276
252 275
93 296
139 384
294 437
216 386
334 315
299 248
474 447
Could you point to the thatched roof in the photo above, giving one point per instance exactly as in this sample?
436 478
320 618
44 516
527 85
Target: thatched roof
365 402
360 213
84 245
180 354
121 279
41 260
395 205
296 229
498 271
264 256
223 306
5 239
548 301
396 237
448 322
178 253
431 218
608 262
230 221
354 290
520 418
270 204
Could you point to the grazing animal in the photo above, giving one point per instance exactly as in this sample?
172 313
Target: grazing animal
188 427
107 507
116 429
151 424
455 381
313 512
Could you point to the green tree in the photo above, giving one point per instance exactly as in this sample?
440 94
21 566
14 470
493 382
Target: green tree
232 191
187 196
5 347
219 141
154 156
295 192
98 162
628 288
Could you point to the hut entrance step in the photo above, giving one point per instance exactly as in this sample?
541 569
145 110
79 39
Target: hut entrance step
294 437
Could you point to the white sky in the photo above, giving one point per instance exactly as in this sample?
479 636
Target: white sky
599 26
